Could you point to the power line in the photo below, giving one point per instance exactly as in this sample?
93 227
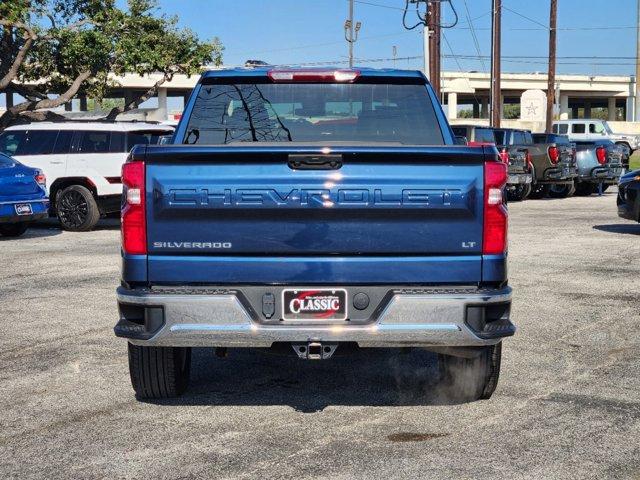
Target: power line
473 34
525 17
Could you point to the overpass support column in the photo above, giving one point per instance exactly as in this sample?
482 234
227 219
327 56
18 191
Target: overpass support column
564 107
631 108
452 104
162 103
612 109
484 107
587 109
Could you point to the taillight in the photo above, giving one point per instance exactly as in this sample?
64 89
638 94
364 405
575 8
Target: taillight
601 153
41 179
340 76
504 156
529 160
554 155
494 236
133 218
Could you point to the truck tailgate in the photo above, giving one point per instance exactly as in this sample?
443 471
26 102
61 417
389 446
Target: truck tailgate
249 214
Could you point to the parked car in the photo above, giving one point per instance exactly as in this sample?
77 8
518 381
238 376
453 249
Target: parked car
475 134
513 145
629 196
554 165
23 196
599 166
82 162
314 210
594 129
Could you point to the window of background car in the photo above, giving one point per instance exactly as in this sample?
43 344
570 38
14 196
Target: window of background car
563 129
596 128
555 128
144 138
28 142
372 113
578 128
500 136
118 142
519 138
63 142
528 139
485 135
94 142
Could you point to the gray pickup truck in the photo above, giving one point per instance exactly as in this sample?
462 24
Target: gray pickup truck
513 146
554 165
600 164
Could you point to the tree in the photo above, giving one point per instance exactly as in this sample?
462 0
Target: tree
67 47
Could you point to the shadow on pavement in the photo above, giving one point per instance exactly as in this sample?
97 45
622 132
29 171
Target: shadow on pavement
375 377
625 228
108 223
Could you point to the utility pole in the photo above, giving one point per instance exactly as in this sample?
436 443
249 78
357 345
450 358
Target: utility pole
433 21
551 77
496 91
426 33
351 30
636 117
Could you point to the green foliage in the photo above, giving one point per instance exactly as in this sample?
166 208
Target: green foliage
511 111
465 114
70 38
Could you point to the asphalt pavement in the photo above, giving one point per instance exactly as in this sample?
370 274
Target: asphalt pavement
567 405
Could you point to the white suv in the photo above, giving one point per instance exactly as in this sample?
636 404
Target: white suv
82 162
594 129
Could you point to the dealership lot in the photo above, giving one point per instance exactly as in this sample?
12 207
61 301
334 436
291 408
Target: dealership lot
567 405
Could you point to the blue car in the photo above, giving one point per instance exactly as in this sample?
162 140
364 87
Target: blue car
629 196
23 196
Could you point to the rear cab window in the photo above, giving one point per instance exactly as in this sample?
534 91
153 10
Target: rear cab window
501 137
313 112
485 135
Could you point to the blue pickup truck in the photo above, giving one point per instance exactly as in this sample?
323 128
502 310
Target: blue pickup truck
314 210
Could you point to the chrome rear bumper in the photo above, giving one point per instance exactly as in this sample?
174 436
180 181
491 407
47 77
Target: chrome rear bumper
426 317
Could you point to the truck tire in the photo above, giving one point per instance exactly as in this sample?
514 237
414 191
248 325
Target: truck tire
519 193
562 191
13 230
159 372
471 379
539 191
77 209
585 189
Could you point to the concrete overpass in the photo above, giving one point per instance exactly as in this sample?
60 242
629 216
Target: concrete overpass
578 94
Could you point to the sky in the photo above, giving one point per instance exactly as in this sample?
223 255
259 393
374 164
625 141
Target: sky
296 32
307 31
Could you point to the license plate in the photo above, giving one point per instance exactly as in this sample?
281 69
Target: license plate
314 304
24 209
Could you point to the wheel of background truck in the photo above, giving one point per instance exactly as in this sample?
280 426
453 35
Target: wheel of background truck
585 189
519 193
539 191
470 379
13 230
77 210
562 191
159 372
